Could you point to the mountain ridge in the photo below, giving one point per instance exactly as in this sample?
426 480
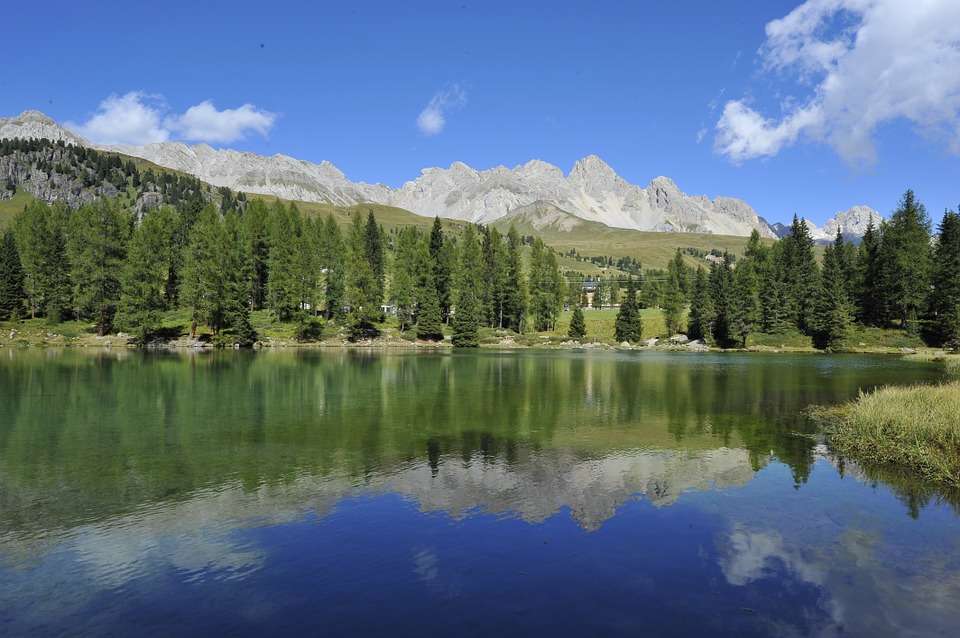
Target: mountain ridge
591 190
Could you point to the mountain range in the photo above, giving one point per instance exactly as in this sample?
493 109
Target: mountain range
537 192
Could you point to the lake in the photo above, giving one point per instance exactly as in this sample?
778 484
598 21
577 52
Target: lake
484 493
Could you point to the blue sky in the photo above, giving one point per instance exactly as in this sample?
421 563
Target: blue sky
708 93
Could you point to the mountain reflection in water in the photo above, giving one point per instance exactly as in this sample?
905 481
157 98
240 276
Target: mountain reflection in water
689 483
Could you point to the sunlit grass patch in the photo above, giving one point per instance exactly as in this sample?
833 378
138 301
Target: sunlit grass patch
915 428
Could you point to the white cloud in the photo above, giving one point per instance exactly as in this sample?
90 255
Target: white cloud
204 122
432 118
864 63
137 118
134 118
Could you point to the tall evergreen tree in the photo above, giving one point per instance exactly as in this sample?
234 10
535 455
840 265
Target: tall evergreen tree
673 297
256 221
868 287
440 254
333 262
546 286
96 247
403 283
599 293
721 292
945 294
145 273
362 286
237 273
745 301
800 273
905 261
833 310
429 320
515 292
629 323
702 313
283 285
12 296
495 277
202 281
40 231
578 327
466 318
373 244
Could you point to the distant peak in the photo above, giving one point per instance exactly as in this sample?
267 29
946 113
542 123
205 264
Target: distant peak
592 165
32 115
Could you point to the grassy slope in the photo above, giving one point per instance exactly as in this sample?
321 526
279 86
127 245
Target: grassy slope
9 208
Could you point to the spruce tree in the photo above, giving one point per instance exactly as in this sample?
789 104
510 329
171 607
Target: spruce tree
702 314
868 286
362 287
721 291
515 292
629 324
332 260
833 310
546 286
673 296
599 291
945 294
440 254
466 318
144 276
745 310
202 282
905 261
96 248
237 273
373 245
256 221
403 283
800 272
283 284
12 295
429 321
578 327
40 231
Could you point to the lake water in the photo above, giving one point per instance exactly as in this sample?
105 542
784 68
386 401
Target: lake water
519 493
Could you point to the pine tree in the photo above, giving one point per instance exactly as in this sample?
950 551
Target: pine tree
629 324
868 287
702 314
332 260
429 320
833 310
745 310
599 290
515 292
144 275
40 231
546 286
441 256
256 221
373 245
673 297
905 261
12 296
283 285
96 247
800 272
202 281
466 318
721 291
403 284
237 273
362 287
578 327
945 294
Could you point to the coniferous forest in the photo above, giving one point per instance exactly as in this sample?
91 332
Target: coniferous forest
220 256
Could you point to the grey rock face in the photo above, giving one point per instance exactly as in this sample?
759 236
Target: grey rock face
591 191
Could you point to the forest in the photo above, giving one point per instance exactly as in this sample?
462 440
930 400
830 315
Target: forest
221 255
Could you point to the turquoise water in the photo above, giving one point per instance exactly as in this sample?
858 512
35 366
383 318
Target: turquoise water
351 493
